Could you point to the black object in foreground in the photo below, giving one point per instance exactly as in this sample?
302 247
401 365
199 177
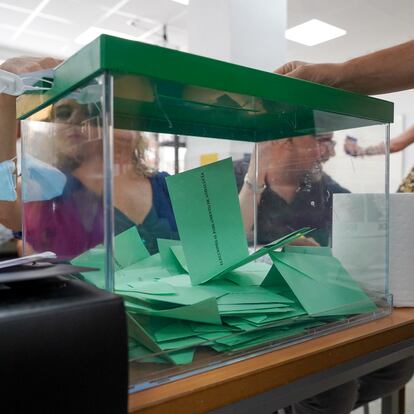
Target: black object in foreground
39 270
63 348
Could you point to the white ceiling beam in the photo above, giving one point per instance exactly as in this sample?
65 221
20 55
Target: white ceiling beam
12 7
32 16
113 10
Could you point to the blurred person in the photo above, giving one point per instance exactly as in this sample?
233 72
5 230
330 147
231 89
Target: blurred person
292 191
397 144
388 70
71 220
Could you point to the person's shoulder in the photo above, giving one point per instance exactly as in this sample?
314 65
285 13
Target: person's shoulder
157 180
160 175
332 185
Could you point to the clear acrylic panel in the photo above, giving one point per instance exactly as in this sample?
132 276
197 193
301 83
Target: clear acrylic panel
63 178
282 186
221 248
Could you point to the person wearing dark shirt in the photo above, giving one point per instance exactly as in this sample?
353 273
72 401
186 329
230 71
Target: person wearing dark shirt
292 190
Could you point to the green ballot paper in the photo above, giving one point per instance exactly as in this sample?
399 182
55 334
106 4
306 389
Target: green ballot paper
321 284
209 221
129 249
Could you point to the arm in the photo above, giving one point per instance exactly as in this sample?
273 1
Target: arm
403 140
388 70
398 143
10 211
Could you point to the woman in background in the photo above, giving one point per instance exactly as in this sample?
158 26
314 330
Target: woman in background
72 220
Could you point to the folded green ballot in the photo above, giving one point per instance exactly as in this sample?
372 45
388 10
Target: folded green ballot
206 290
250 274
211 231
174 346
129 249
209 220
321 284
93 258
166 294
205 311
168 258
281 242
277 244
253 295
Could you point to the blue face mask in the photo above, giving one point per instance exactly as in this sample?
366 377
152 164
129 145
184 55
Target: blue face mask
7 181
13 84
5 234
40 181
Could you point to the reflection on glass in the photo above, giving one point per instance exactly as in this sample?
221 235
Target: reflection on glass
292 190
63 167
317 205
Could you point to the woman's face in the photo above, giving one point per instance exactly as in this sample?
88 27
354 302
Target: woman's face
78 136
75 130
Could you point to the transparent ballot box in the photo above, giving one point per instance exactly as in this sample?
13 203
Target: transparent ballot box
224 204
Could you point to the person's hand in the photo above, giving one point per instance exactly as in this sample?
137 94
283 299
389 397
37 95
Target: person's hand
291 68
26 64
325 73
352 148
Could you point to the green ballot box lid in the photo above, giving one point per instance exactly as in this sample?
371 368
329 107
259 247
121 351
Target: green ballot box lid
158 89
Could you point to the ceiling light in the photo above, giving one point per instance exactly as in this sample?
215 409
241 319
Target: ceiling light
93 32
184 2
313 32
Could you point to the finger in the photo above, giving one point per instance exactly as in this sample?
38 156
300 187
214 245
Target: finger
26 64
289 67
49 62
283 70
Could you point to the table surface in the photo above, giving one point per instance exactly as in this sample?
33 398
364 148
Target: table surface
213 389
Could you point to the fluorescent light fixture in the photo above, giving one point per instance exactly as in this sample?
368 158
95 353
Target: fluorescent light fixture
313 32
93 32
184 2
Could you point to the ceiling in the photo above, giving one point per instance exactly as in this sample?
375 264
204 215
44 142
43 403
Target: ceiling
370 25
50 27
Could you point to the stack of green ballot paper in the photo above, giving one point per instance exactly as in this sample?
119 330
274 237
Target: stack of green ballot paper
206 290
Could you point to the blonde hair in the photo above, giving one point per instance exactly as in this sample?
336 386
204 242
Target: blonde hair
139 146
